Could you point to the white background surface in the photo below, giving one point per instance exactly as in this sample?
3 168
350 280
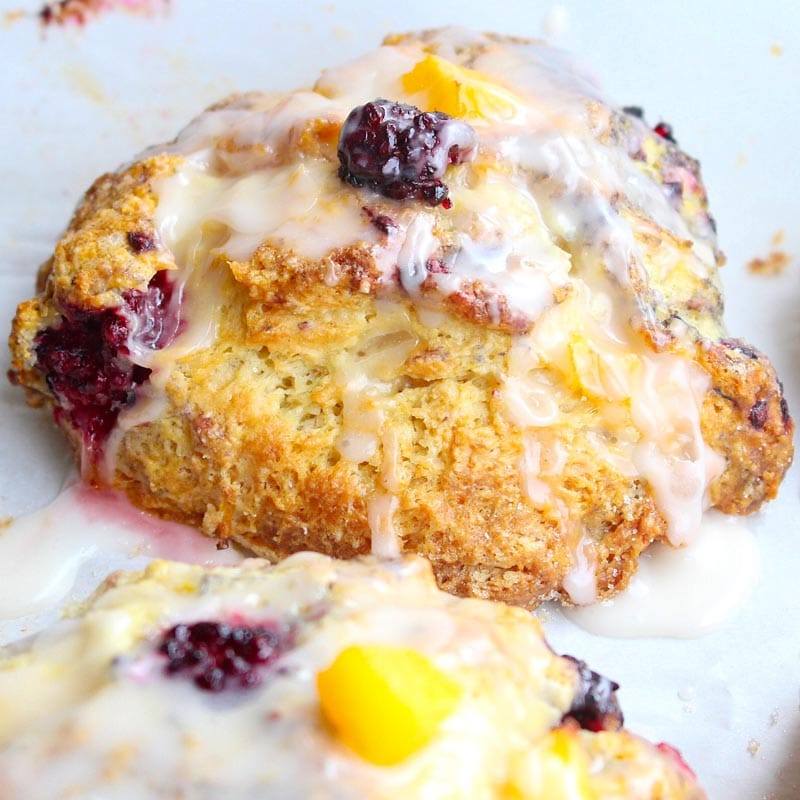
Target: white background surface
75 103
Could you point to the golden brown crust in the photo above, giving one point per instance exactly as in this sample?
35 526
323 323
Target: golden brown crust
610 750
745 418
92 265
115 205
248 475
258 462
249 445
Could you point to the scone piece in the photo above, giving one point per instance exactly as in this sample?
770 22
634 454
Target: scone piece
313 678
479 321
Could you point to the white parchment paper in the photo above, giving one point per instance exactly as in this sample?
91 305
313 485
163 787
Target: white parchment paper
77 102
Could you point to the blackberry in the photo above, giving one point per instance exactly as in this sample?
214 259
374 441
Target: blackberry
664 130
402 152
595 707
214 653
140 242
85 357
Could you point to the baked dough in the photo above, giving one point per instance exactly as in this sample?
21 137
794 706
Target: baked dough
517 369
458 699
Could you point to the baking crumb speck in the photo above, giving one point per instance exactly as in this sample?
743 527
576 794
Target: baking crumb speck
79 12
10 17
774 264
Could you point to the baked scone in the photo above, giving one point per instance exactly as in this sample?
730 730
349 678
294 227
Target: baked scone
447 302
315 678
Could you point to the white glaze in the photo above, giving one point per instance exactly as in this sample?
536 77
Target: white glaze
537 490
580 582
302 206
380 512
663 392
419 245
84 534
682 593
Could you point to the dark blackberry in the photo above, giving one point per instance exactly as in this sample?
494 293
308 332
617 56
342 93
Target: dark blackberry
214 653
383 223
595 706
634 111
785 411
664 130
758 414
140 242
401 151
84 357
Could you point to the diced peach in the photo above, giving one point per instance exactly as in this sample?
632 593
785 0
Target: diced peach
458 91
384 702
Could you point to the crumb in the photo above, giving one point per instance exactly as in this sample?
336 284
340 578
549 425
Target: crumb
774 264
10 17
775 50
5 522
753 746
342 32
777 238
686 694
85 84
79 12
741 160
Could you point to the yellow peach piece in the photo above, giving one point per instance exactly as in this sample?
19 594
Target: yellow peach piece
458 91
383 702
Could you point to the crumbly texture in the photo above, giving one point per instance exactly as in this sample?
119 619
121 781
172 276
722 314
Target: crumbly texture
99 697
247 445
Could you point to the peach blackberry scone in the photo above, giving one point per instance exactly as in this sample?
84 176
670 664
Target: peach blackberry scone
313 678
448 302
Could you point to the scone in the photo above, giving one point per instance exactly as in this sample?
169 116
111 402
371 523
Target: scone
447 302
315 678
